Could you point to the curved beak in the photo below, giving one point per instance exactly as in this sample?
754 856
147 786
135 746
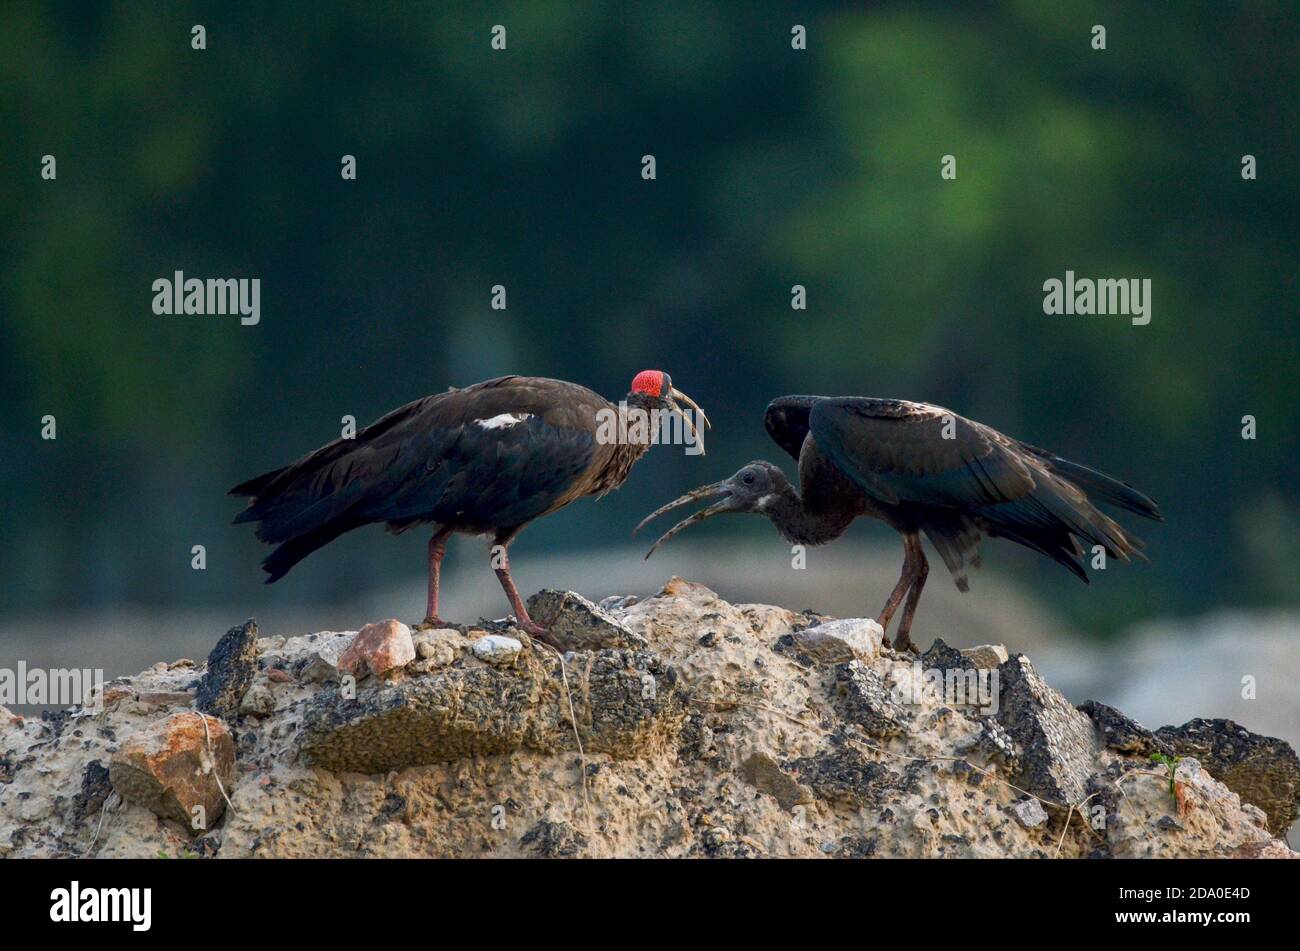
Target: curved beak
717 490
677 396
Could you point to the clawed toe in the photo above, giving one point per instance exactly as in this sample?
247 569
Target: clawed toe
533 629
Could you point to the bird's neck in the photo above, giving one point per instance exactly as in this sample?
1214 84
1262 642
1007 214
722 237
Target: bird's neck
801 525
637 431
617 467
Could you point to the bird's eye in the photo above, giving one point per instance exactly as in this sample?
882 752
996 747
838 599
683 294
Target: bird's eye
747 478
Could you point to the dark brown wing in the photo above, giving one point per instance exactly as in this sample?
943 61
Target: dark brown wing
786 421
951 475
485 458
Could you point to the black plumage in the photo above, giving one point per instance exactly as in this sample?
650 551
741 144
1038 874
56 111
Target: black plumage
487 459
923 470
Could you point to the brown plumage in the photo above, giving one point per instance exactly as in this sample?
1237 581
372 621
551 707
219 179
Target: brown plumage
924 470
483 460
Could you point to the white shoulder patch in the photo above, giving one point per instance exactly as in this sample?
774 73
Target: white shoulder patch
503 420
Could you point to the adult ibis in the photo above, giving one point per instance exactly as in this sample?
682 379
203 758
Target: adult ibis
924 470
483 460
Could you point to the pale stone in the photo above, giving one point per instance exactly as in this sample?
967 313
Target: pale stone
1029 813
986 656
837 642
497 649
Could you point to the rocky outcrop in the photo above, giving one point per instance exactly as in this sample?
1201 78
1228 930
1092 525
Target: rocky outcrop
622 703
578 625
1262 769
677 725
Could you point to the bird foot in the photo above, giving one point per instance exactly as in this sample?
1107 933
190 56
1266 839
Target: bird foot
903 642
533 629
430 623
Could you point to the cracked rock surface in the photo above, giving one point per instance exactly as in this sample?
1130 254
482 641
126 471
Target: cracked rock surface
624 704
673 725
230 670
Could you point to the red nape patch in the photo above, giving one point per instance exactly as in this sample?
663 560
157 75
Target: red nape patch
650 382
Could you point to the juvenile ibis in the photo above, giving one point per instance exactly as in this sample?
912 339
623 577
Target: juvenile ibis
923 470
483 460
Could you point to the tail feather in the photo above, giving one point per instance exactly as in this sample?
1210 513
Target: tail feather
1099 486
956 538
1059 545
277 564
295 507
1072 509
1052 519
257 484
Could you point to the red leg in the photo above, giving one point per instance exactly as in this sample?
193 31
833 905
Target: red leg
904 582
525 623
437 549
895 599
920 571
910 582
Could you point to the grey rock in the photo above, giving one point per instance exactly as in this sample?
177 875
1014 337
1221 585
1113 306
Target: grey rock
1029 813
838 642
857 847
575 624
95 788
554 840
864 698
1119 733
619 602
164 698
986 656
1262 770
626 704
322 664
993 743
1057 743
258 701
942 657
845 775
696 739
231 667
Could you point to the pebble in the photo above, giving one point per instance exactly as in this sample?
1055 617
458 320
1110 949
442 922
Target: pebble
497 649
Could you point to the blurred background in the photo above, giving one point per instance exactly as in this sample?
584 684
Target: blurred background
775 167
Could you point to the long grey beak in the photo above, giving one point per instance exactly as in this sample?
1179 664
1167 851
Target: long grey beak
717 490
678 396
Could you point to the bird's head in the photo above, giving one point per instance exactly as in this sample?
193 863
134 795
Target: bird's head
653 390
753 489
